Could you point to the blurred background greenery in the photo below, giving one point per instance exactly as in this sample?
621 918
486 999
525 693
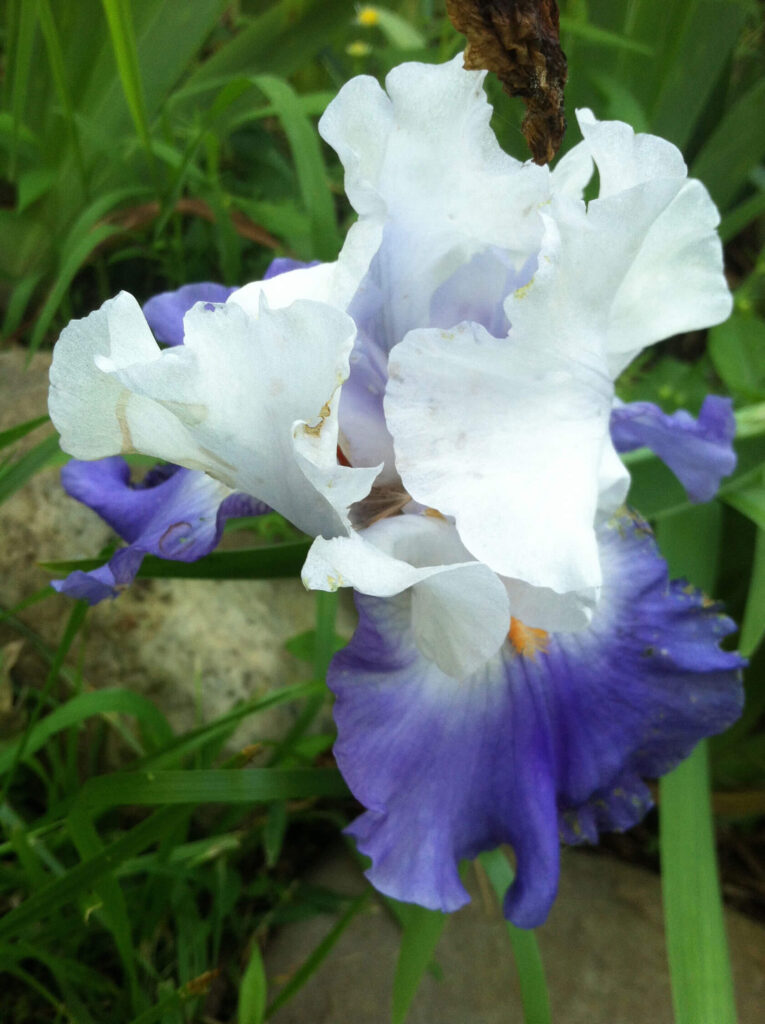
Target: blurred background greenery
145 144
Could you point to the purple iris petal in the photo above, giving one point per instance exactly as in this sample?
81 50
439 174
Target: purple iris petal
165 312
541 744
698 451
175 513
283 265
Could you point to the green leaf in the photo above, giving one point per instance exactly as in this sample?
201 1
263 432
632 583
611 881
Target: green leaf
753 624
700 52
21 60
309 164
734 149
274 831
317 957
59 892
253 990
737 349
531 975
122 32
21 430
71 263
750 501
32 185
420 935
212 785
271 561
397 30
80 708
702 986
277 42
742 216
603 37
15 474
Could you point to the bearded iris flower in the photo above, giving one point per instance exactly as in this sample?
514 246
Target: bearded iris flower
436 408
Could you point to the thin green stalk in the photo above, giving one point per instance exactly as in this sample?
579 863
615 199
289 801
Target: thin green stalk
535 998
75 621
697 947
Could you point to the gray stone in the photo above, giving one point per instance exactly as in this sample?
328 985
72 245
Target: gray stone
602 947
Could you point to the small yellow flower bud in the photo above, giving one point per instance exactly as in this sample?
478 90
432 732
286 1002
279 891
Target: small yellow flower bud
358 48
368 17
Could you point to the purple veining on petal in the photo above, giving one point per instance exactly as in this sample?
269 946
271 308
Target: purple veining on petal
174 513
534 747
165 312
698 451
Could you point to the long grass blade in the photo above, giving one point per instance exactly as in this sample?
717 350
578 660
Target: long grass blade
531 975
317 957
309 164
122 33
697 949
420 935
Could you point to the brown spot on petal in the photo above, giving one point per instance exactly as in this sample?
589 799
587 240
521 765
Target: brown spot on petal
120 412
526 639
519 40
324 414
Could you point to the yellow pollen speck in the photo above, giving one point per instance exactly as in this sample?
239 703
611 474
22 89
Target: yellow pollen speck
433 513
526 639
368 16
522 292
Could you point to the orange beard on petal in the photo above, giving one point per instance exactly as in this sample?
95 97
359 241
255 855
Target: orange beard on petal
526 639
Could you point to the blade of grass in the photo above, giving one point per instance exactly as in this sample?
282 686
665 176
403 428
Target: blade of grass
420 935
309 164
85 706
19 472
21 430
21 57
122 33
253 990
271 561
531 975
57 64
697 950
320 953
61 891
753 624
734 149
213 785
72 628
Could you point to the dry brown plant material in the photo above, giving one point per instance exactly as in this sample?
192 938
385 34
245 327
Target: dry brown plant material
519 40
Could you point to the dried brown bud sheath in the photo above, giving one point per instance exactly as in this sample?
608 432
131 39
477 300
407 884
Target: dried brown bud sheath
519 40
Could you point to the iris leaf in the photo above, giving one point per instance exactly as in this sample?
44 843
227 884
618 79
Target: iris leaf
531 974
699 965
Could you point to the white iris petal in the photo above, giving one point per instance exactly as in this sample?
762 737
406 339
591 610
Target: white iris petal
487 303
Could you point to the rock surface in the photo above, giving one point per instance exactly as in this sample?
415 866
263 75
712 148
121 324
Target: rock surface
602 947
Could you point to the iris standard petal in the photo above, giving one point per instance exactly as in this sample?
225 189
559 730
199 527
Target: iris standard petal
423 165
550 738
699 451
